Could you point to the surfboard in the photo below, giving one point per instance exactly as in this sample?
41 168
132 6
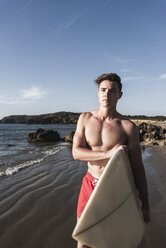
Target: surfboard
113 216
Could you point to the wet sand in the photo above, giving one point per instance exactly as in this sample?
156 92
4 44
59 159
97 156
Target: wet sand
156 175
38 204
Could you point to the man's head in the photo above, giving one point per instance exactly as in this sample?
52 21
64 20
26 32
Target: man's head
112 77
109 89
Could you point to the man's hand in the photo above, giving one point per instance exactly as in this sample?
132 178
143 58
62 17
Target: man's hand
111 152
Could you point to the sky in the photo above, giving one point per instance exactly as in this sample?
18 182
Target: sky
52 50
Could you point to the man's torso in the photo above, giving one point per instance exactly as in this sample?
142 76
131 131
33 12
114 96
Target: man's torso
103 135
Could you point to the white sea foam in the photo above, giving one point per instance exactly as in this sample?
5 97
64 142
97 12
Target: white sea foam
11 170
54 149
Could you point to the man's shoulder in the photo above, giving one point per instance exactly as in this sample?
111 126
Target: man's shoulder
83 118
129 125
127 122
87 115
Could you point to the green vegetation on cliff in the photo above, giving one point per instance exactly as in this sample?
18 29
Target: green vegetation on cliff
53 118
63 118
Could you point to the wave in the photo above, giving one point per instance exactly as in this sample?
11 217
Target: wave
14 169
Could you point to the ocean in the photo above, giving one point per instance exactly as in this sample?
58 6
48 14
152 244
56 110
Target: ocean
17 153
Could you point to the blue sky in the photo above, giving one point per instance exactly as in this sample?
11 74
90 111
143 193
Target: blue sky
51 51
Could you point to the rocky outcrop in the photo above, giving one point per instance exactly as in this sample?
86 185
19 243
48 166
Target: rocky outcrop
55 118
42 135
151 134
148 135
69 137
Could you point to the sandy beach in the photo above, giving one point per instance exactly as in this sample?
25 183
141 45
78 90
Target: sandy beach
38 205
38 208
156 172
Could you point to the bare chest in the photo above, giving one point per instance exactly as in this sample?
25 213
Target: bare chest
105 135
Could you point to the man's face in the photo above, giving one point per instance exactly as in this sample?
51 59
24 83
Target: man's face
108 93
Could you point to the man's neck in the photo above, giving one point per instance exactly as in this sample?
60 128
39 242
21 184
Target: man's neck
107 113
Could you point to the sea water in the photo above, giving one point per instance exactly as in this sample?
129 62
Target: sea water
17 153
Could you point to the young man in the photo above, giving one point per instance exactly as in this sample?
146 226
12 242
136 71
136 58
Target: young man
99 133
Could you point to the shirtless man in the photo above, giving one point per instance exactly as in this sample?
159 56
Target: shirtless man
99 133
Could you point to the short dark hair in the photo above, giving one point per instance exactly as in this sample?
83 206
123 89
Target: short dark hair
111 77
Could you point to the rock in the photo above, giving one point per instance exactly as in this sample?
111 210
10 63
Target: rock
42 135
69 137
162 143
10 145
155 144
151 134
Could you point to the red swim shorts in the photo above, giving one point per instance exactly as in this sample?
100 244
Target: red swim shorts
88 184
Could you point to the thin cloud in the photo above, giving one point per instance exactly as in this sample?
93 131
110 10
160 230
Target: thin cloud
162 76
33 93
84 12
133 78
119 59
157 78
125 60
26 96
2 99
68 24
144 78
130 78
125 70
9 101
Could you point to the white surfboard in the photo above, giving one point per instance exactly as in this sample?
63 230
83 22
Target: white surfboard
112 217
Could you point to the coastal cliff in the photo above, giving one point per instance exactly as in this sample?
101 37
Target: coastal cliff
64 117
53 118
